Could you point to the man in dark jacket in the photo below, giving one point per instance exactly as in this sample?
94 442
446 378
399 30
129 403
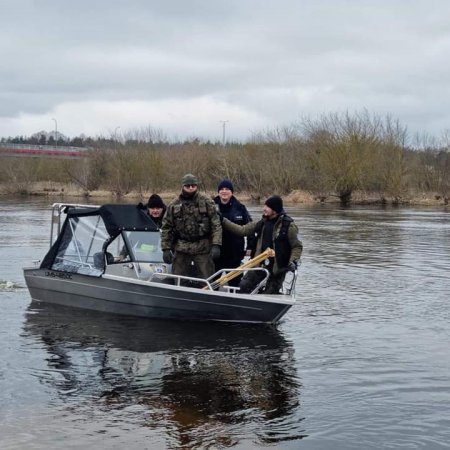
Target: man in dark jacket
191 229
156 209
275 230
233 245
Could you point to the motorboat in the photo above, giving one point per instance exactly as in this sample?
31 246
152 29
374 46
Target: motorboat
108 258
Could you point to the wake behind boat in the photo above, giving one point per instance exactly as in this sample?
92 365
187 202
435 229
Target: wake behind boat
108 258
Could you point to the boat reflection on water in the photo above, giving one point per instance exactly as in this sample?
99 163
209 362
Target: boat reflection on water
202 383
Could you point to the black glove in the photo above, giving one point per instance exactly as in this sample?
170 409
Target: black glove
292 266
167 256
215 251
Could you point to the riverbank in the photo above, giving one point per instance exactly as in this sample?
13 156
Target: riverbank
60 191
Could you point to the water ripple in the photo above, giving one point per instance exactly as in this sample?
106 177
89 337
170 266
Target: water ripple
361 360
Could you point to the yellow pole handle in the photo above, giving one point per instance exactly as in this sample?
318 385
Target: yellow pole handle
268 253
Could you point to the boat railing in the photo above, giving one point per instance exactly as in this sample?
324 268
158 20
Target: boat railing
263 282
288 287
211 283
164 277
222 276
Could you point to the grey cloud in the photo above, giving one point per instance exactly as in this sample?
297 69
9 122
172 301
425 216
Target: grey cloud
275 58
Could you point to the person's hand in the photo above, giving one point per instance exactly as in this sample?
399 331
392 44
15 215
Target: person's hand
167 256
215 251
292 266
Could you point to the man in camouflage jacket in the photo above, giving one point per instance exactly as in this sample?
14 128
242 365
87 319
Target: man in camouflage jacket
191 233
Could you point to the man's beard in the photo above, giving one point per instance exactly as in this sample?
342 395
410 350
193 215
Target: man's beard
271 216
188 194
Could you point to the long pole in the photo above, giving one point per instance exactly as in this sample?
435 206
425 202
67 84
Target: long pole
247 265
223 131
56 132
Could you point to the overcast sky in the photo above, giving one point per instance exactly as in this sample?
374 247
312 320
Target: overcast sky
184 66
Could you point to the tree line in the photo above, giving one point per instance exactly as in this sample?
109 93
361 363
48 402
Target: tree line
336 154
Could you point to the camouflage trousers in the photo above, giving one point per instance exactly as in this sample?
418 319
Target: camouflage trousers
203 266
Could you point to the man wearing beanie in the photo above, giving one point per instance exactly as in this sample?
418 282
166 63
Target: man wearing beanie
191 232
275 230
156 209
233 246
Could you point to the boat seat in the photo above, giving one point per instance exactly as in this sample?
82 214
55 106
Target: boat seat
99 260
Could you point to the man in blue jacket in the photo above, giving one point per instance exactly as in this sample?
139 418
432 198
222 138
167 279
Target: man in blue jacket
233 246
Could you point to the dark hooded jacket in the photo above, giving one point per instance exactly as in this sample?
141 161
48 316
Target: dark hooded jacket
285 242
233 246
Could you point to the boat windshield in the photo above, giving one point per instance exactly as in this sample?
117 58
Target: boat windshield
84 244
82 240
145 245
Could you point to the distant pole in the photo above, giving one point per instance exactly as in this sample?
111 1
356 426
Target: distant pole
56 132
115 133
223 122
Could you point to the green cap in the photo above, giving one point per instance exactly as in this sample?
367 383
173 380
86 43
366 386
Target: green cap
189 179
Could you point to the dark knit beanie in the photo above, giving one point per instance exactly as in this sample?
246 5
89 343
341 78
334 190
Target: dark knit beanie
276 203
155 201
225 184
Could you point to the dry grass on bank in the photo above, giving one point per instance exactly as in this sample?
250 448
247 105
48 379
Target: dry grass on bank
60 191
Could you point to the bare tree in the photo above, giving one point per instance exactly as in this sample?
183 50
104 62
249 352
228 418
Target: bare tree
342 150
392 160
89 173
281 157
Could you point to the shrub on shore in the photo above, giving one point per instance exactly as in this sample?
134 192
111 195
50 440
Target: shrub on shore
338 157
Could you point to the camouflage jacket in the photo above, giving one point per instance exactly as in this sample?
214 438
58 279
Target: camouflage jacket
191 225
287 248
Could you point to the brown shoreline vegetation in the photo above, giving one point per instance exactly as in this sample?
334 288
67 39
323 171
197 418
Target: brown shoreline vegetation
56 192
337 158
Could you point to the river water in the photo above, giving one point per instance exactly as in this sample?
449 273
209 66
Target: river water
362 361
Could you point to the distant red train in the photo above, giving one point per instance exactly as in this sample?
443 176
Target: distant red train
42 150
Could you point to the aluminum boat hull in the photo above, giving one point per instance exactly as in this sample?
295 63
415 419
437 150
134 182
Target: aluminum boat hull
127 296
